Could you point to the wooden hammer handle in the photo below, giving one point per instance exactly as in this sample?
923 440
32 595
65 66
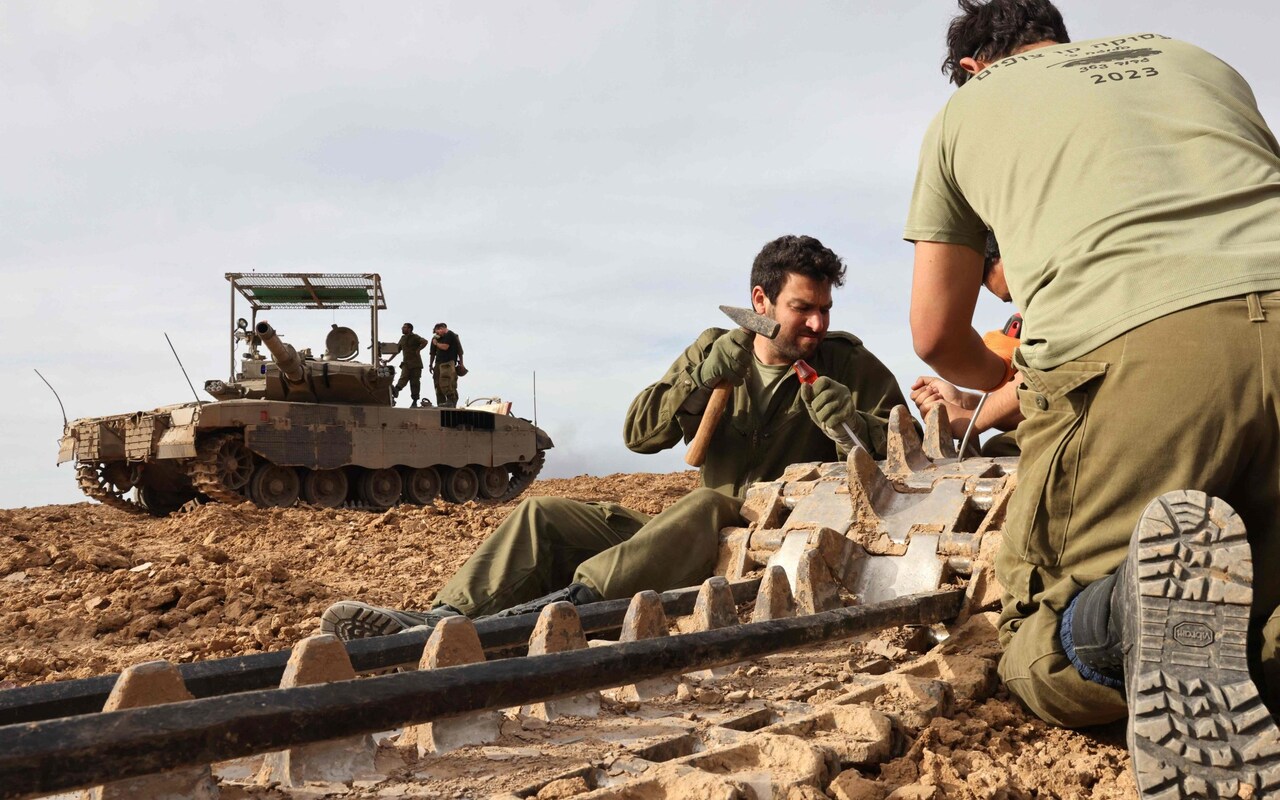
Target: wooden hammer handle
697 452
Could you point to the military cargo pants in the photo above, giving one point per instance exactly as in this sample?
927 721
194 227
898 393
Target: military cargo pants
1002 445
1187 401
445 374
549 542
411 376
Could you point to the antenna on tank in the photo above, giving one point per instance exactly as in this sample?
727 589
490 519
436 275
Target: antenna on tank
535 397
55 396
199 402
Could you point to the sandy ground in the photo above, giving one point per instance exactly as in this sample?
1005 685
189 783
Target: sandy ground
90 590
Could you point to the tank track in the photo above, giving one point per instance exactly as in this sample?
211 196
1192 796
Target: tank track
203 471
89 477
522 476
849 708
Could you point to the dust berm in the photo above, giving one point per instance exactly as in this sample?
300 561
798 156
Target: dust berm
89 590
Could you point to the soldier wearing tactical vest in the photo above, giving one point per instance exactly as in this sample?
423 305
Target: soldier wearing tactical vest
446 359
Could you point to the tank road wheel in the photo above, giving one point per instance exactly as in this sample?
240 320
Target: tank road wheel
493 482
326 488
460 484
523 474
108 484
274 486
222 467
421 486
381 488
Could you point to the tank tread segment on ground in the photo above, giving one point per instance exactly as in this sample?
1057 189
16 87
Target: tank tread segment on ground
825 553
289 427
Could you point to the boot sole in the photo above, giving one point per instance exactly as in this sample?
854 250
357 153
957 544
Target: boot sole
1197 724
353 620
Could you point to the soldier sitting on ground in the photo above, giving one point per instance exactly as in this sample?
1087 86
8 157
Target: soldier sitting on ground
551 549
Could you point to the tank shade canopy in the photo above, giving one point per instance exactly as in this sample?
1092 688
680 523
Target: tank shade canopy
266 290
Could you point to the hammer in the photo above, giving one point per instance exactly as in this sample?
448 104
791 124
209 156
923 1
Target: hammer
755 323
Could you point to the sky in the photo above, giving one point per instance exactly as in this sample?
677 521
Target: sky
572 186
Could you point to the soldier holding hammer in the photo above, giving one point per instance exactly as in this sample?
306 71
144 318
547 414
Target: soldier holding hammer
552 549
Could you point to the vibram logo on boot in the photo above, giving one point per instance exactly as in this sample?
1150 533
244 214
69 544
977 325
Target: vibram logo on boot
1192 634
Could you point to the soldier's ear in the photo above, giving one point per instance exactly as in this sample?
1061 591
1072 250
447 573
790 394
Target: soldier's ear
759 299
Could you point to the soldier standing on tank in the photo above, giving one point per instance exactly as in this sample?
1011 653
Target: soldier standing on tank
411 345
446 358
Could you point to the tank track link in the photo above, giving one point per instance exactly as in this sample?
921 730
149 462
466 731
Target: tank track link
522 476
1197 725
89 477
203 471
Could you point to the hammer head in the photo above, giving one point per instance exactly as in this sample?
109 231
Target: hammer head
756 323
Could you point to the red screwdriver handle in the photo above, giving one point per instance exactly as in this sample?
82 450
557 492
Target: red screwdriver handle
804 372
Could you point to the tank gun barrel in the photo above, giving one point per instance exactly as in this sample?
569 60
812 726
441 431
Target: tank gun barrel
282 353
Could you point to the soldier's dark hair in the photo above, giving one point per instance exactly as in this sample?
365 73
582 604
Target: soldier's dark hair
438 326
803 255
991 256
409 325
994 29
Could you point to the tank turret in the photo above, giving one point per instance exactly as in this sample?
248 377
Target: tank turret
295 376
286 358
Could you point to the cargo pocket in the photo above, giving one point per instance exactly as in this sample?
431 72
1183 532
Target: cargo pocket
1056 406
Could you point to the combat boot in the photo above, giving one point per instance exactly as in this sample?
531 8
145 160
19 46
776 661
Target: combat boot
1176 617
350 619
577 593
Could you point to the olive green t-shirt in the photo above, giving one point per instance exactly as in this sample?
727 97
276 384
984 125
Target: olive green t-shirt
762 382
1124 178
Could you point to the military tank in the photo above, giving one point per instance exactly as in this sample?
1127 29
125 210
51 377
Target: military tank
289 427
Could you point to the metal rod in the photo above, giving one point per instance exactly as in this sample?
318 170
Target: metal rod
64 754
374 291
263 670
856 441
55 397
964 443
231 359
194 394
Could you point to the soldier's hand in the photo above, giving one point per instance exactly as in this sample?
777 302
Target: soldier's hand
830 406
728 360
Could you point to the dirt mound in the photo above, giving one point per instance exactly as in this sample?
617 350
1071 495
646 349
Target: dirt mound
89 590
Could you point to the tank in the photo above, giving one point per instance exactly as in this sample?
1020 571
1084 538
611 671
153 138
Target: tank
287 427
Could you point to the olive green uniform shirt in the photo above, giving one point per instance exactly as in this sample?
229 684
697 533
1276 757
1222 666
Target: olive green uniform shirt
1125 179
754 444
410 346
